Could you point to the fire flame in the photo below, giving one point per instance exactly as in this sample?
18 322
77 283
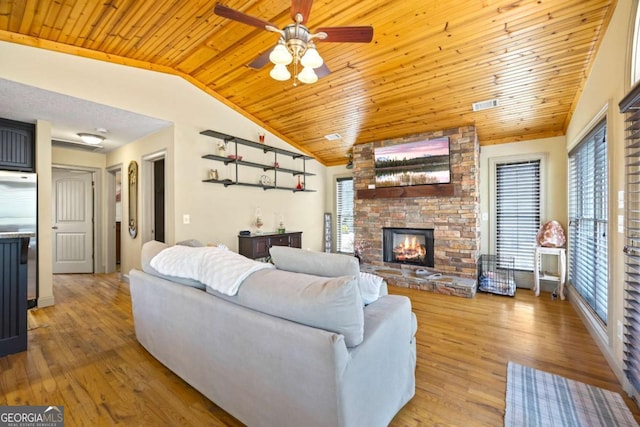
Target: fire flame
410 249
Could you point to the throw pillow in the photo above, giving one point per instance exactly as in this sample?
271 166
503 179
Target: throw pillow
332 304
327 265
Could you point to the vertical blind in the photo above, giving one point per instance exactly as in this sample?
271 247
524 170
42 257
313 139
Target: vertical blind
631 106
344 217
588 219
517 211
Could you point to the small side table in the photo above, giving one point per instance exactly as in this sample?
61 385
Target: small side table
560 275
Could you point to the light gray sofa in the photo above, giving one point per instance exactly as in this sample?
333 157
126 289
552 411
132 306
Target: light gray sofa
289 349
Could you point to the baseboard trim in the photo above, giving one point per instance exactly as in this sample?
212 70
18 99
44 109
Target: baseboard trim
46 301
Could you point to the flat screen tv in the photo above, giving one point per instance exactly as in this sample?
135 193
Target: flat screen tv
413 163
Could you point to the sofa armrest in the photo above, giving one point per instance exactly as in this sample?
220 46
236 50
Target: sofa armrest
385 361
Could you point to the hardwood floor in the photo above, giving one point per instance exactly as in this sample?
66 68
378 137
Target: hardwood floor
83 354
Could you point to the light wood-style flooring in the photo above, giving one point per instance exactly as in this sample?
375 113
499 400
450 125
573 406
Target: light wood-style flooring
83 354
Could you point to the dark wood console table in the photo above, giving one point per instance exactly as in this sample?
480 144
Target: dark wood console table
257 245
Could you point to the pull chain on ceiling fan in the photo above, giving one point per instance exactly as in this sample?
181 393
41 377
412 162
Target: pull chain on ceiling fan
296 44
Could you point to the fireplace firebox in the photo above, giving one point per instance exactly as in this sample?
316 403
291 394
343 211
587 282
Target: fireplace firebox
408 246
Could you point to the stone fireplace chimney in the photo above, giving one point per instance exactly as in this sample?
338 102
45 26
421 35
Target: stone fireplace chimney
451 210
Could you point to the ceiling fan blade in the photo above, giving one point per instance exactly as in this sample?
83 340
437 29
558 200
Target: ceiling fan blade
303 7
236 15
261 60
322 71
362 34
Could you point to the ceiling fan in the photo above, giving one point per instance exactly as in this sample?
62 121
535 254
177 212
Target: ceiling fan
297 43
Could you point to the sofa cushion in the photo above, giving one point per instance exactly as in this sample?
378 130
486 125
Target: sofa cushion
312 262
151 249
332 304
328 265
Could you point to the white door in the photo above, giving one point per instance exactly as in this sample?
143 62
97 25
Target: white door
72 221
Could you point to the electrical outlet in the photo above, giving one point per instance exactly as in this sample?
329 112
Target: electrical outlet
186 219
619 330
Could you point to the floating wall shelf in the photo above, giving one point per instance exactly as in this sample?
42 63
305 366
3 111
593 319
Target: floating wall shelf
264 148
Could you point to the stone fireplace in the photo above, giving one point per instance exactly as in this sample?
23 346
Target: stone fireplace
408 246
450 210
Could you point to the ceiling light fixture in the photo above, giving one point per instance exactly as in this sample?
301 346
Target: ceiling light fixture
295 45
91 139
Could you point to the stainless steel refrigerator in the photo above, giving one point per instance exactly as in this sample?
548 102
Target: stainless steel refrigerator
19 213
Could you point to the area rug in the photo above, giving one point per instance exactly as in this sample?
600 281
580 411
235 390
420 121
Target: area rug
537 398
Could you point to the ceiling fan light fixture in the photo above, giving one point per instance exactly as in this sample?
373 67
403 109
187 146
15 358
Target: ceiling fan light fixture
307 75
280 55
91 139
280 73
311 57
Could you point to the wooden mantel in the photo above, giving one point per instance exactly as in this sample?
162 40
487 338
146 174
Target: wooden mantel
431 190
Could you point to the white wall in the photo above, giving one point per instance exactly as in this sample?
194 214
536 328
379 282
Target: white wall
45 234
217 213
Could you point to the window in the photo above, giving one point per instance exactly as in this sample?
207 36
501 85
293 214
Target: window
588 258
517 207
629 105
344 217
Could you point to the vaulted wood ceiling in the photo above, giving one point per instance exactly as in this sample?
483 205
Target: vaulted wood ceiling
428 62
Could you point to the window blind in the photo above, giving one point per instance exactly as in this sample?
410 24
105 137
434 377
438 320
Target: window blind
588 222
517 211
344 217
630 105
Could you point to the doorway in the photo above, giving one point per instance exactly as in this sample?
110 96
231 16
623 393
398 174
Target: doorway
154 201
114 218
158 201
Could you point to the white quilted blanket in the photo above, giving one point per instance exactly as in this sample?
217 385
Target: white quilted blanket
217 268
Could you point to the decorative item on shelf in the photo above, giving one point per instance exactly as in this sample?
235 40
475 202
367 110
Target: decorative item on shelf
213 174
234 157
222 148
265 180
276 165
359 249
300 186
281 229
261 137
551 235
258 221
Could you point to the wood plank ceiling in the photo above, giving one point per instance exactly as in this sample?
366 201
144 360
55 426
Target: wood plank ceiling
428 62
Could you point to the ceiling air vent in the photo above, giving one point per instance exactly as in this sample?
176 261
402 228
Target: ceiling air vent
75 145
333 136
485 105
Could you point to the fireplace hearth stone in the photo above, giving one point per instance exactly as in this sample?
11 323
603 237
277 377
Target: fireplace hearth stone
407 278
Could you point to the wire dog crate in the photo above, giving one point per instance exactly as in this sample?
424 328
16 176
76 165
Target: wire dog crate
497 275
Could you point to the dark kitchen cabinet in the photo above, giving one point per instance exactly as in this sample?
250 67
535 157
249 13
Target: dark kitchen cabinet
17 146
13 295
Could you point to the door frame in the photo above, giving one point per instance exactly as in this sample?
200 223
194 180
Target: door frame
110 219
98 265
148 194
